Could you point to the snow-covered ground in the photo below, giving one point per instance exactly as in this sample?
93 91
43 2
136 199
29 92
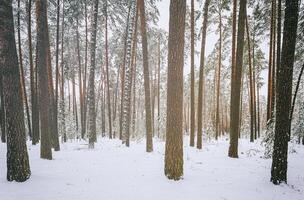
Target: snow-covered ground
113 172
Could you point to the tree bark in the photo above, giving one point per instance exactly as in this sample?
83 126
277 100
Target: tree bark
201 77
91 84
284 94
192 120
236 83
174 131
18 168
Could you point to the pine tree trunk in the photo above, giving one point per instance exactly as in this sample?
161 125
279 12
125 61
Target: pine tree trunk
107 73
251 92
201 77
84 88
57 76
192 120
284 94
236 83
218 78
21 73
174 131
18 168
42 63
149 134
33 82
91 84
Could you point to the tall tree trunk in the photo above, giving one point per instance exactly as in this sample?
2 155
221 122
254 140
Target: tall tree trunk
62 104
236 83
158 91
18 168
270 66
84 89
218 77
201 77
42 64
174 130
251 92
126 106
81 100
57 76
91 84
149 134
107 73
21 73
284 93
33 82
192 120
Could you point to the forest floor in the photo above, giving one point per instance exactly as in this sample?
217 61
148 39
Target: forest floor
113 172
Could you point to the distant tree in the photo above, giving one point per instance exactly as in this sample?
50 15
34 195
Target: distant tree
18 168
174 133
284 94
192 116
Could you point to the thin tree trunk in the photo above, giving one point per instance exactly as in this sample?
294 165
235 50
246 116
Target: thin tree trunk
192 120
57 71
201 77
2 111
84 92
107 73
149 134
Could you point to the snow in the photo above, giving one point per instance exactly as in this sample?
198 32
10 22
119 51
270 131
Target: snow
112 171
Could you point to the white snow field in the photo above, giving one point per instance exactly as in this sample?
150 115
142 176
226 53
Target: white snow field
113 172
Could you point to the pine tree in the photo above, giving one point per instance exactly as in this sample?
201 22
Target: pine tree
201 77
18 168
91 84
236 76
284 94
174 133
192 120
42 62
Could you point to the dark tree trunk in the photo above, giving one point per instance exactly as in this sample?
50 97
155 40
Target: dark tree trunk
174 131
201 77
57 80
18 168
21 72
91 84
236 83
149 134
192 120
42 63
84 88
2 111
284 94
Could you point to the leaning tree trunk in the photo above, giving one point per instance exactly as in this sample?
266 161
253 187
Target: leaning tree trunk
42 62
21 70
284 94
174 131
201 77
149 135
236 84
91 84
18 168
